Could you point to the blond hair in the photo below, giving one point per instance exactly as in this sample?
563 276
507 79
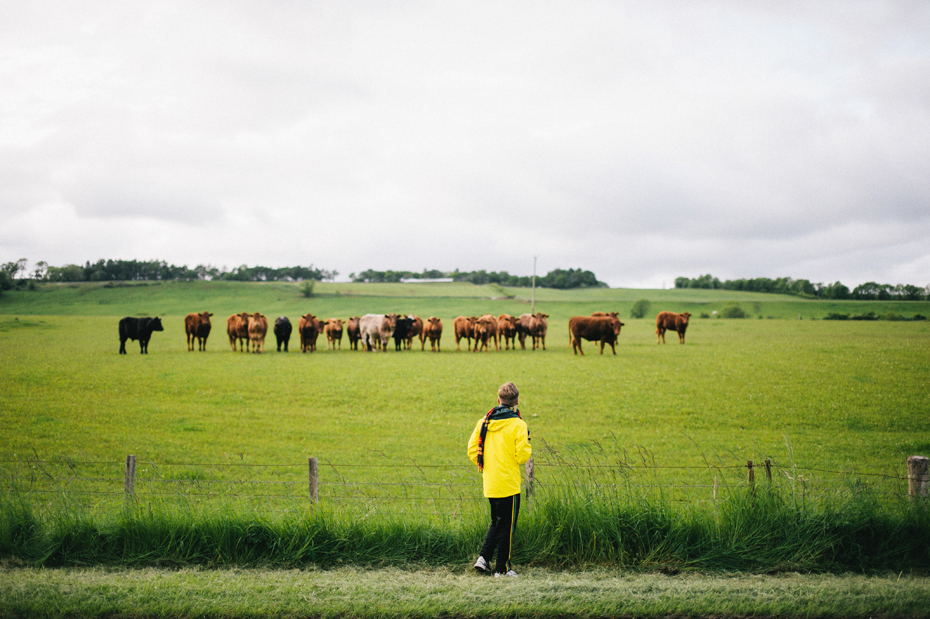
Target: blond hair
508 394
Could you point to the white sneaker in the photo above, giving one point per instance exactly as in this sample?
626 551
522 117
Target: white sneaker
510 573
481 565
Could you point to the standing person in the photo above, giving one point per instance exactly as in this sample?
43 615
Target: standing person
499 445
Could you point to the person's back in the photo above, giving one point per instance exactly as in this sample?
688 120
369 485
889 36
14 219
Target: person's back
499 445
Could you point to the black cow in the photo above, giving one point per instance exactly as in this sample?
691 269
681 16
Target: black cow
402 327
138 329
282 331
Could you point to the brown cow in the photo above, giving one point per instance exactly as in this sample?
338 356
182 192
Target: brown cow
308 329
333 330
603 329
538 328
486 329
507 330
352 330
386 330
237 328
432 329
611 314
464 326
258 328
197 327
672 322
523 328
416 330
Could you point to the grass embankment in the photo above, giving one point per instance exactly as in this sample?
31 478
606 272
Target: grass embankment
761 529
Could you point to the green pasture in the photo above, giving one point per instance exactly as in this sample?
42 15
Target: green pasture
831 396
446 300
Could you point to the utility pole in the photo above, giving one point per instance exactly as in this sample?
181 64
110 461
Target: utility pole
533 303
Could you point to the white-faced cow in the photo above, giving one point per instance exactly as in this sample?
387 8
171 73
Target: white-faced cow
376 330
282 331
603 329
432 329
237 328
131 328
670 321
464 327
197 327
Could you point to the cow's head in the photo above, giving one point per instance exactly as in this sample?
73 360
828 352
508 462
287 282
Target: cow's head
684 317
205 317
156 324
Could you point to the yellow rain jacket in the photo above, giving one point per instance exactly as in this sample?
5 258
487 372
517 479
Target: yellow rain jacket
506 447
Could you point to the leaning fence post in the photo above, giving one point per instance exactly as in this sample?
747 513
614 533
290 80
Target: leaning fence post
768 471
918 476
530 478
752 472
130 484
314 481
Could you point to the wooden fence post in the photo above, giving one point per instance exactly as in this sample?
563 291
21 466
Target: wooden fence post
918 476
130 484
768 471
752 472
529 467
314 481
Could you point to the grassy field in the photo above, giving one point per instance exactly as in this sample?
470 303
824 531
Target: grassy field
818 394
836 405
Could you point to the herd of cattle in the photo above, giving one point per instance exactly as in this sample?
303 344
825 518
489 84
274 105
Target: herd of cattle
247 331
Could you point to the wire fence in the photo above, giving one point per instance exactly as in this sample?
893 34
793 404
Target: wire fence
406 485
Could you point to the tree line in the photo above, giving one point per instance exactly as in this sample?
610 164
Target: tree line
869 291
159 270
558 278
152 270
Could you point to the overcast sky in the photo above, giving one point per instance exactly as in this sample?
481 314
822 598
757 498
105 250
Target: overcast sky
640 140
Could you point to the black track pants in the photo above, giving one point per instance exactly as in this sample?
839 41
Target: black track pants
504 512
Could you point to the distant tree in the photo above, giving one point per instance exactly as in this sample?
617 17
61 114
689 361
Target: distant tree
14 267
640 309
40 269
307 289
733 310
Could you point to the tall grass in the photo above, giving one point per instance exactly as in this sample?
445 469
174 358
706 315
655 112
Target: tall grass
761 528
